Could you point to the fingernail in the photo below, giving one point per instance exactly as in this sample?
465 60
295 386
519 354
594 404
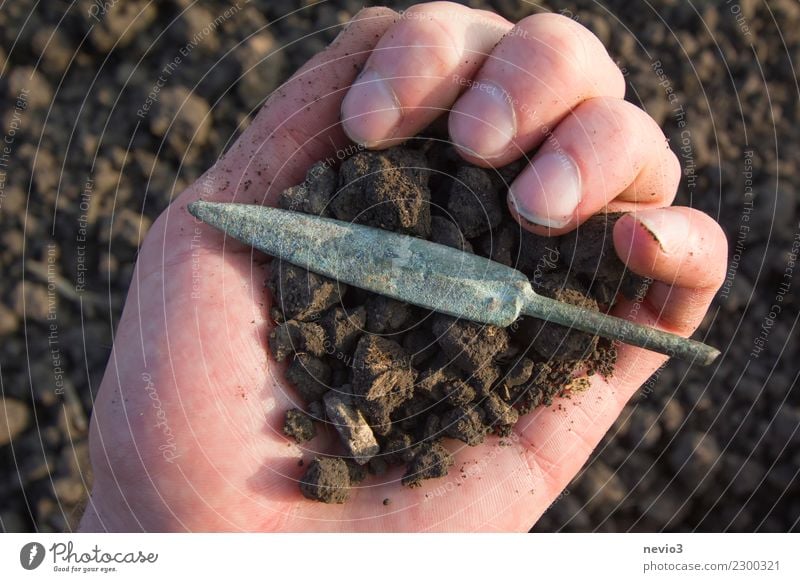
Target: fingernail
548 192
669 227
370 110
482 122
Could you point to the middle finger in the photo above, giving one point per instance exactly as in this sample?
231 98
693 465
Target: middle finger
538 73
417 70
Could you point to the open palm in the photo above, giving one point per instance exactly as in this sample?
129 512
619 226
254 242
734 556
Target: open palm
186 432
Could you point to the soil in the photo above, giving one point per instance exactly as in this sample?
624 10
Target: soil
327 479
299 426
415 378
80 152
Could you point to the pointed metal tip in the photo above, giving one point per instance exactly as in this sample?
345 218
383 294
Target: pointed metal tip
712 355
195 207
200 209
212 213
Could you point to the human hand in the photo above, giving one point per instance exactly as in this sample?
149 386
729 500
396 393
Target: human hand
186 431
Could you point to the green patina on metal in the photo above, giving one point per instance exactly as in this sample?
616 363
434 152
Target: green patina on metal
423 273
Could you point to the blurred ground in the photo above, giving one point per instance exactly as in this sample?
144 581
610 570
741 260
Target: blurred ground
102 127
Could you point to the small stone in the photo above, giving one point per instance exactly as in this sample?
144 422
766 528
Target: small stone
31 85
644 429
672 416
54 49
68 490
694 456
355 432
8 320
382 378
31 301
262 68
602 485
120 23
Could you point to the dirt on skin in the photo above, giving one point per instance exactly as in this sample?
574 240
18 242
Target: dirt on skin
381 371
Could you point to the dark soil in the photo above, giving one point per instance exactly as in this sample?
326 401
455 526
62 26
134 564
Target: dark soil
299 426
414 378
327 479
729 114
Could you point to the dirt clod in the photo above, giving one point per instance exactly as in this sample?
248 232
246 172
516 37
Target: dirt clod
470 345
299 426
431 462
301 294
387 190
327 479
465 423
297 337
314 194
310 376
558 342
474 202
394 379
445 232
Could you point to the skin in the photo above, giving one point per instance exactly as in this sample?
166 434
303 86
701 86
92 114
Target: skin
186 431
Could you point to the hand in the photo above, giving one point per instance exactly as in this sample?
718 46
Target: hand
186 431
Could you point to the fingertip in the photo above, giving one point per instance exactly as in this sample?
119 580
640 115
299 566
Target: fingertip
482 123
370 111
677 245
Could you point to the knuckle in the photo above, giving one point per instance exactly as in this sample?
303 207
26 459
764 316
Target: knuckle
374 12
563 38
429 41
611 117
575 53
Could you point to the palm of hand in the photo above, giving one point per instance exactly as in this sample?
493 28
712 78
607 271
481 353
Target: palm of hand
194 435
